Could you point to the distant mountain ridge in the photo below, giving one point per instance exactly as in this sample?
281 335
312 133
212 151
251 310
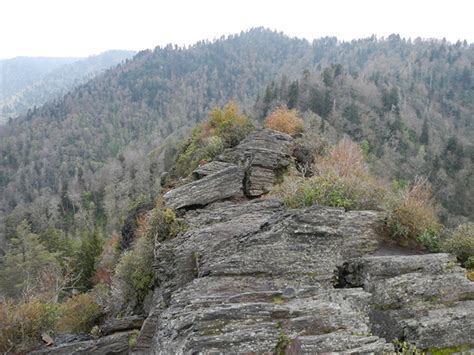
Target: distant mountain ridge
17 73
47 78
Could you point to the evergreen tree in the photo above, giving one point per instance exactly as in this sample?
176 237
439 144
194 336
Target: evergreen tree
27 267
424 136
87 258
293 94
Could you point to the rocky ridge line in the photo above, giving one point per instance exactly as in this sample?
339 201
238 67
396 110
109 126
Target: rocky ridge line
251 276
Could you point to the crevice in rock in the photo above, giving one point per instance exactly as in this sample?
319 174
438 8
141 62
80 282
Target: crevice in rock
348 275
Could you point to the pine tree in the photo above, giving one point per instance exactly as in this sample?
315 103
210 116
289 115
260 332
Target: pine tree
27 267
87 258
424 136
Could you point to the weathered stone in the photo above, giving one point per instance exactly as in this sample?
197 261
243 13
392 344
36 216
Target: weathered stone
424 299
117 325
248 272
254 277
218 186
209 169
117 343
264 155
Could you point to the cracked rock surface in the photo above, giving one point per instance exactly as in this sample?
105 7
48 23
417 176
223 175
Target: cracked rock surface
250 276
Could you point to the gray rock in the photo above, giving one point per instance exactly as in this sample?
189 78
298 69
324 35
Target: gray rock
117 343
265 155
424 299
248 273
117 325
254 277
209 169
218 186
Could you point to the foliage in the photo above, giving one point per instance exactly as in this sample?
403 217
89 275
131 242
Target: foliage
99 141
28 268
132 340
340 180
79 314
284 120
107 261
225 128
23 322
460 242
402 347
283 341
134 276
412 216
87 258
329 190
429 240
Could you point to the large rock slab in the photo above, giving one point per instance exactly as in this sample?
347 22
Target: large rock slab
117 343
251 274
209 169
222 184
265 155
424 299
121 324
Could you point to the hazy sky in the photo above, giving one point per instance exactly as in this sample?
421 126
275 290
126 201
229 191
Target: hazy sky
85 27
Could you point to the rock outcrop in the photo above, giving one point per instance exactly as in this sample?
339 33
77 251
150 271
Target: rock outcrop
117 343
424 299
257 277
264 155
250 276
220 185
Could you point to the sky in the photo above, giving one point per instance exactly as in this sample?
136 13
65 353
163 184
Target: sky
80 28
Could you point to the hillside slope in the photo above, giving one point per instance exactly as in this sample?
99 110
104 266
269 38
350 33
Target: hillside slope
18 73
85 159
35 90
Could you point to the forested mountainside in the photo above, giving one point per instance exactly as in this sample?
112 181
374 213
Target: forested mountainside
29 82
18 73
82 161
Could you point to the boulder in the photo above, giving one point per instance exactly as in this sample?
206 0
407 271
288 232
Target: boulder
425 299
209 169
118 325
117 343
265 155
251 274
222 184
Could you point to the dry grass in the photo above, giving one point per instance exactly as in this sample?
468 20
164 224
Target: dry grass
345 159
341 180
79 314
284 120
413 212
21 324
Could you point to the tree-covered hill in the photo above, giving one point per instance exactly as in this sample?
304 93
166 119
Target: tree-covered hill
29 82
18 73
85 159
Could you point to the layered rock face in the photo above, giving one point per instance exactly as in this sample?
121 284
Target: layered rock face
250 276
258 277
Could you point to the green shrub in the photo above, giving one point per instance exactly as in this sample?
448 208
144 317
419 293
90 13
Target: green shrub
225 128
460 242
412 216
329 189
21 324
402 347
134 277
341 180
429 240
79 314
